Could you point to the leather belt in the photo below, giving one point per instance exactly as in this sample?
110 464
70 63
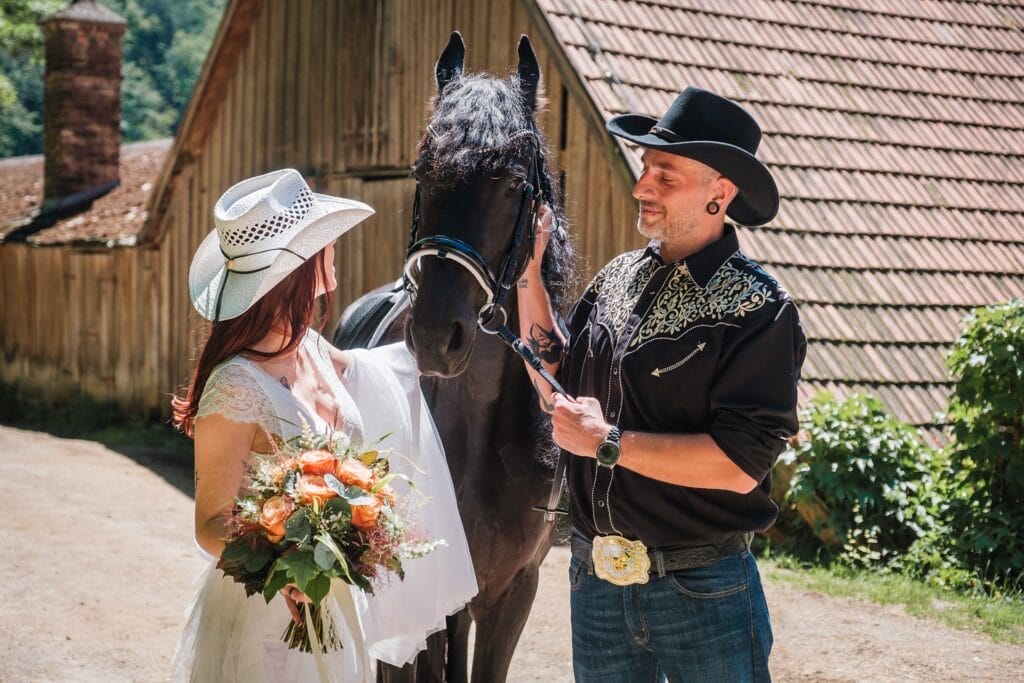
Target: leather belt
673 559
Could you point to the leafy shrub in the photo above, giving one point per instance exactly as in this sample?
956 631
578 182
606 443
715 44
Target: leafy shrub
987 416
864 481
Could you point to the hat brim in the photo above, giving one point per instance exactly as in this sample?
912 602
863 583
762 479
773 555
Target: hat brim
758 198
207 271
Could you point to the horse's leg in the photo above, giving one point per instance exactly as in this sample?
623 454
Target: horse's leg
430 663
499 627
428 667
458 646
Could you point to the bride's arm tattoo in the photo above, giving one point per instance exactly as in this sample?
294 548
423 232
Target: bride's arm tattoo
544 343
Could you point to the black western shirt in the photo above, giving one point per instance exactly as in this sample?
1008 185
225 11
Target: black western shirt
709 344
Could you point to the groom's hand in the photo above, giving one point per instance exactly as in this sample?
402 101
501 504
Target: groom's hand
578 424
544 225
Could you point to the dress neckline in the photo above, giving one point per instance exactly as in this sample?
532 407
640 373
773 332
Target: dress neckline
317 367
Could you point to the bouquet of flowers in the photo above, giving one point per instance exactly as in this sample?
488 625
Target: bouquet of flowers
316 512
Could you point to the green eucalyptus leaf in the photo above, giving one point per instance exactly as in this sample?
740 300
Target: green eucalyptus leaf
276 580
301 567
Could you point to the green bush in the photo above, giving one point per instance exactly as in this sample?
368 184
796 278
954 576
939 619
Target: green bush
987 416
865 481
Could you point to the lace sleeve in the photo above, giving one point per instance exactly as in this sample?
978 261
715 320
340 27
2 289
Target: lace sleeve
235 394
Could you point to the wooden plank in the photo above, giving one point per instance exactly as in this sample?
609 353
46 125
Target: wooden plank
247 103
304 80
341 104
315 57
574 163
260 103
227 134
127 316
72 321
289 93
235 133
275 83
328 68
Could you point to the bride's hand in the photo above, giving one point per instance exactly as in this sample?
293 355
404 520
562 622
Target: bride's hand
292 597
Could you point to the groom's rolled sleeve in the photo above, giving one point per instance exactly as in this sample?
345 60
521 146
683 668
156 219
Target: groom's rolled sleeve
753 399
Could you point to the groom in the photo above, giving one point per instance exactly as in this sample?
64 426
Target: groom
681 365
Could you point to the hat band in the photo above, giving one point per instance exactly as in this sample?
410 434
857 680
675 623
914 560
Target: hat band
228 270
666 134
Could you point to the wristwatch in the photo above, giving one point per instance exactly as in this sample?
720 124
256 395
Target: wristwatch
608 450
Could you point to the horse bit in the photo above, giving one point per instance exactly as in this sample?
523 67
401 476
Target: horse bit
492 318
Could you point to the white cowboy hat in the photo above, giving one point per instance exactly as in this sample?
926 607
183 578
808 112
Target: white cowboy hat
265 227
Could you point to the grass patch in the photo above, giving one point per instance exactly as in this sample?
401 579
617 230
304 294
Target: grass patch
80 416
1001 618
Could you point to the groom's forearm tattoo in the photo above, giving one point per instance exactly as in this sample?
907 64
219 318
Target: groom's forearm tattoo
545 405
544 343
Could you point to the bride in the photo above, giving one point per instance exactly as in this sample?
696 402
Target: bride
262 373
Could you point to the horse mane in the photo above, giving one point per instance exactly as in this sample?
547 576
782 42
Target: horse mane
476 128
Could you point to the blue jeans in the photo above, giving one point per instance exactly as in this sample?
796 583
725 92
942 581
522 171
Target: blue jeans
704 624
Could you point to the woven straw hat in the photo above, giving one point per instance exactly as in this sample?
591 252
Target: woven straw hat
265 227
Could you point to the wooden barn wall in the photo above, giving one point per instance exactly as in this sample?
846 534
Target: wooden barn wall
340 90
81 318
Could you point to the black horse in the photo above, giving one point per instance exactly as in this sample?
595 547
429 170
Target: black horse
479 166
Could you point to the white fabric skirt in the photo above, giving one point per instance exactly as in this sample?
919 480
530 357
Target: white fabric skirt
229 637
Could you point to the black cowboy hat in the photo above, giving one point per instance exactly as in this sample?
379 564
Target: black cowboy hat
717 132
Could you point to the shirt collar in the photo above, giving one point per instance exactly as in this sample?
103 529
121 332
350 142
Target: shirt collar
705 263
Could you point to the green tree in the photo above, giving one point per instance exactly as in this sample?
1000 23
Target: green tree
987 415
164 46
21 73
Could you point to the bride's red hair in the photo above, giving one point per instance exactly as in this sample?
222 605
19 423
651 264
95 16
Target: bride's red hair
291 304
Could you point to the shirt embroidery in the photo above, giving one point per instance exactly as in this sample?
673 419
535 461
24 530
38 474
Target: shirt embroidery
619 286
681 301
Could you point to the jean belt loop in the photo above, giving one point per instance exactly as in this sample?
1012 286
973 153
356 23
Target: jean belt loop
659 562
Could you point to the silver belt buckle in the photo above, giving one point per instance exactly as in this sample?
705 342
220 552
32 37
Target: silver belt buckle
620 561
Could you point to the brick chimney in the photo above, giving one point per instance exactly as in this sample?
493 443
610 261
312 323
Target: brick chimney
81 104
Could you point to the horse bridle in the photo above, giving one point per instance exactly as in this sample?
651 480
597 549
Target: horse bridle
492 318
495 284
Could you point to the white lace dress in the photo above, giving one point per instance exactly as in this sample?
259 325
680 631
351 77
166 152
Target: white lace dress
229 637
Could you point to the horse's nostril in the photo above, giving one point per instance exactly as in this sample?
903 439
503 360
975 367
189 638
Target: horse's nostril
458 338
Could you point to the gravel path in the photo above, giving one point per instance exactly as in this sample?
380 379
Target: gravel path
98 562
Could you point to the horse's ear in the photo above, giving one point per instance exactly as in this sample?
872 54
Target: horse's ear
449 64
529 73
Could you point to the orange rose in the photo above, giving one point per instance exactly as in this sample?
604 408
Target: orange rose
365 516
312 488
354 473
273 514
317 462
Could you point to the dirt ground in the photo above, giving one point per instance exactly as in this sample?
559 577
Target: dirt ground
97 563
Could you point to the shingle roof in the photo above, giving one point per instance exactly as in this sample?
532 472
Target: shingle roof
895 130
115 218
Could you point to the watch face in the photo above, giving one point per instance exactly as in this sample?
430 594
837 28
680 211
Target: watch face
607 453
